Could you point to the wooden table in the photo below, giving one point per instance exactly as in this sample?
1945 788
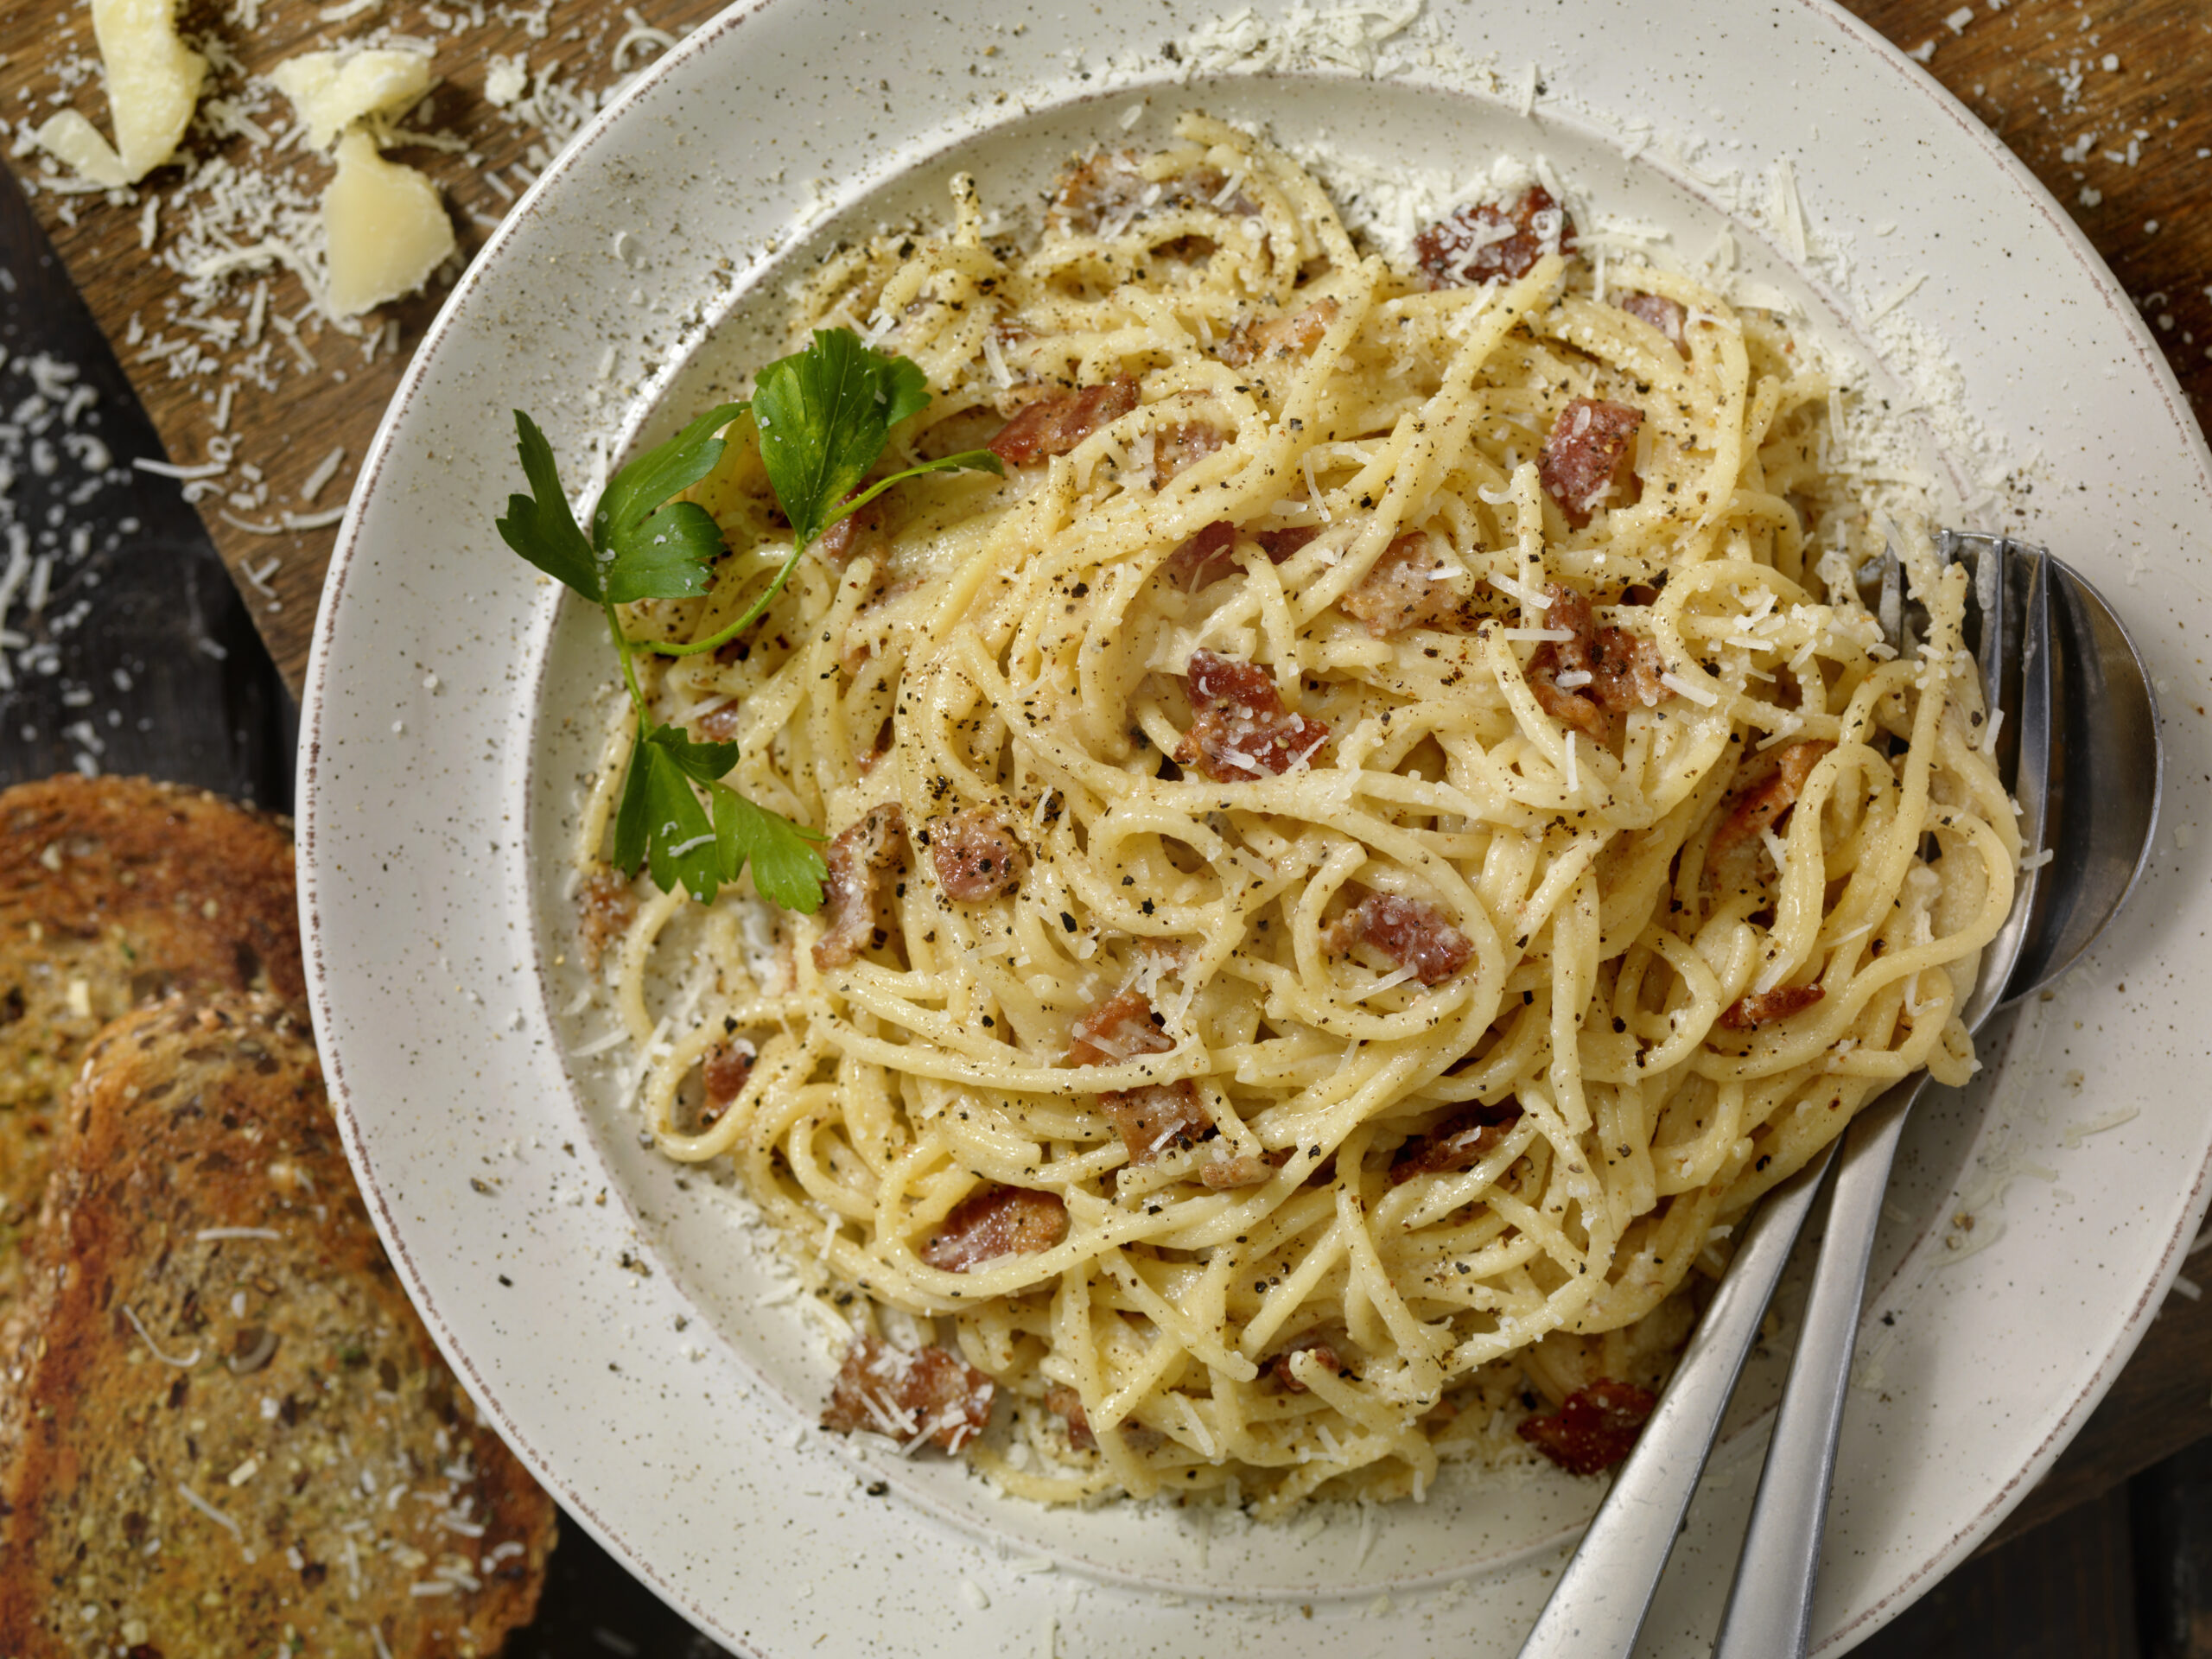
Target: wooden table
2110 109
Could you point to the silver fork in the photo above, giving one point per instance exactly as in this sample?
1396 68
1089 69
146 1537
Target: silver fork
1600 1603
1770 1610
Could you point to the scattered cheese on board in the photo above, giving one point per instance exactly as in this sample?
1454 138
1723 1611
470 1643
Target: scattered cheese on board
388 229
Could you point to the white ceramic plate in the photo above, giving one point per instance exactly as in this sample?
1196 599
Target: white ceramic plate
609 1315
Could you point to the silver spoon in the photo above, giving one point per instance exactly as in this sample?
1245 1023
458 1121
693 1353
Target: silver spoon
2102 835
1598 1606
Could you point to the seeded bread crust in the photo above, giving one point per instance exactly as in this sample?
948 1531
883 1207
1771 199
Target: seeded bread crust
277 1461
115 891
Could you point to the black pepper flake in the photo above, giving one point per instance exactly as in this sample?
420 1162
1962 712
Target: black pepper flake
1067 921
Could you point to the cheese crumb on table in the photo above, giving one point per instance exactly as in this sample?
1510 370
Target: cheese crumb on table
333 90
153 84
388 229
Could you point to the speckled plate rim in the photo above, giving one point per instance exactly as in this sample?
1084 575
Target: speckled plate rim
363 991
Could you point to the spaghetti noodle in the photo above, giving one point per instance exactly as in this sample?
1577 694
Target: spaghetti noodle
1352 863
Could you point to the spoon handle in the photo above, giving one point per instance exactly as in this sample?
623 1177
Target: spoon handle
1597 1606
1770 1609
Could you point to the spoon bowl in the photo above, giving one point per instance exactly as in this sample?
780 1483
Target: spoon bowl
2098 816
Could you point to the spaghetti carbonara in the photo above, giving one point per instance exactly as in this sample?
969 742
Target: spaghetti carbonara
1351 864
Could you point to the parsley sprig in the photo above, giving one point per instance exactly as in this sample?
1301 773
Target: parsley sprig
822 417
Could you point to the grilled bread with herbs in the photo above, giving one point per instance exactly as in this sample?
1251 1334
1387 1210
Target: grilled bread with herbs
223 1430
114 891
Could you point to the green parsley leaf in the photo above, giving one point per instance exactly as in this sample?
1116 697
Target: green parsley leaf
824 415
661 822
786 868
540 526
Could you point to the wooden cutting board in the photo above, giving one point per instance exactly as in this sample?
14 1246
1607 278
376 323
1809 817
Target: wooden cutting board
2111 109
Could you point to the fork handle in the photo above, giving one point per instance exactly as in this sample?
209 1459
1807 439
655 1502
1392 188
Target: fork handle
1769 1612
1598 1605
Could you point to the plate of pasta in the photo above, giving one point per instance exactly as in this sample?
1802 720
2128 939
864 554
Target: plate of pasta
1191 794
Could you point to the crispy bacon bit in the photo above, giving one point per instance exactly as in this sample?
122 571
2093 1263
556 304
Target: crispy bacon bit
1663 314
1594 1427
1279 544
877 843
727 1067
1278 1369
1120 1028
1589 459
1287 336
721 723
1759 1007
977 857
1479 244
1205 558
1056 423
606 906
1410 931
1158 1118
1762 804
1408 587
1460 1141
1068 1403
926 1392
1106 190
1623 668
1179 446
994 1222
1241 728
857 532
1244 1169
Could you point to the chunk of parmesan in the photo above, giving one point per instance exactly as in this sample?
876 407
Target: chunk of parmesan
388 230
153 83
332 91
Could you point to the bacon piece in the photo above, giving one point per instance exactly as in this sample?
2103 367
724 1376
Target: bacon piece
1278 1369
1157 1118
1244 1170
1068 1403
1205 558
902 1392
1479 244
1761 805
857 532
1058 421
1241 728
1589 458
727 1067
994 1221
1177 447
1119 1028
877 843
1759 1008
1407 587
606 906
1410 931
1594 1427
1279 544
1106 190
976 856
721 723
1663 314
1623 668
1284 336
1460 1141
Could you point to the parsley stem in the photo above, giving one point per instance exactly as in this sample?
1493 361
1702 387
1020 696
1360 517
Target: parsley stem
722 636
622 650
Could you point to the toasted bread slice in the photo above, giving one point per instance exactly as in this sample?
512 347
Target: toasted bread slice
223 1431
114 891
